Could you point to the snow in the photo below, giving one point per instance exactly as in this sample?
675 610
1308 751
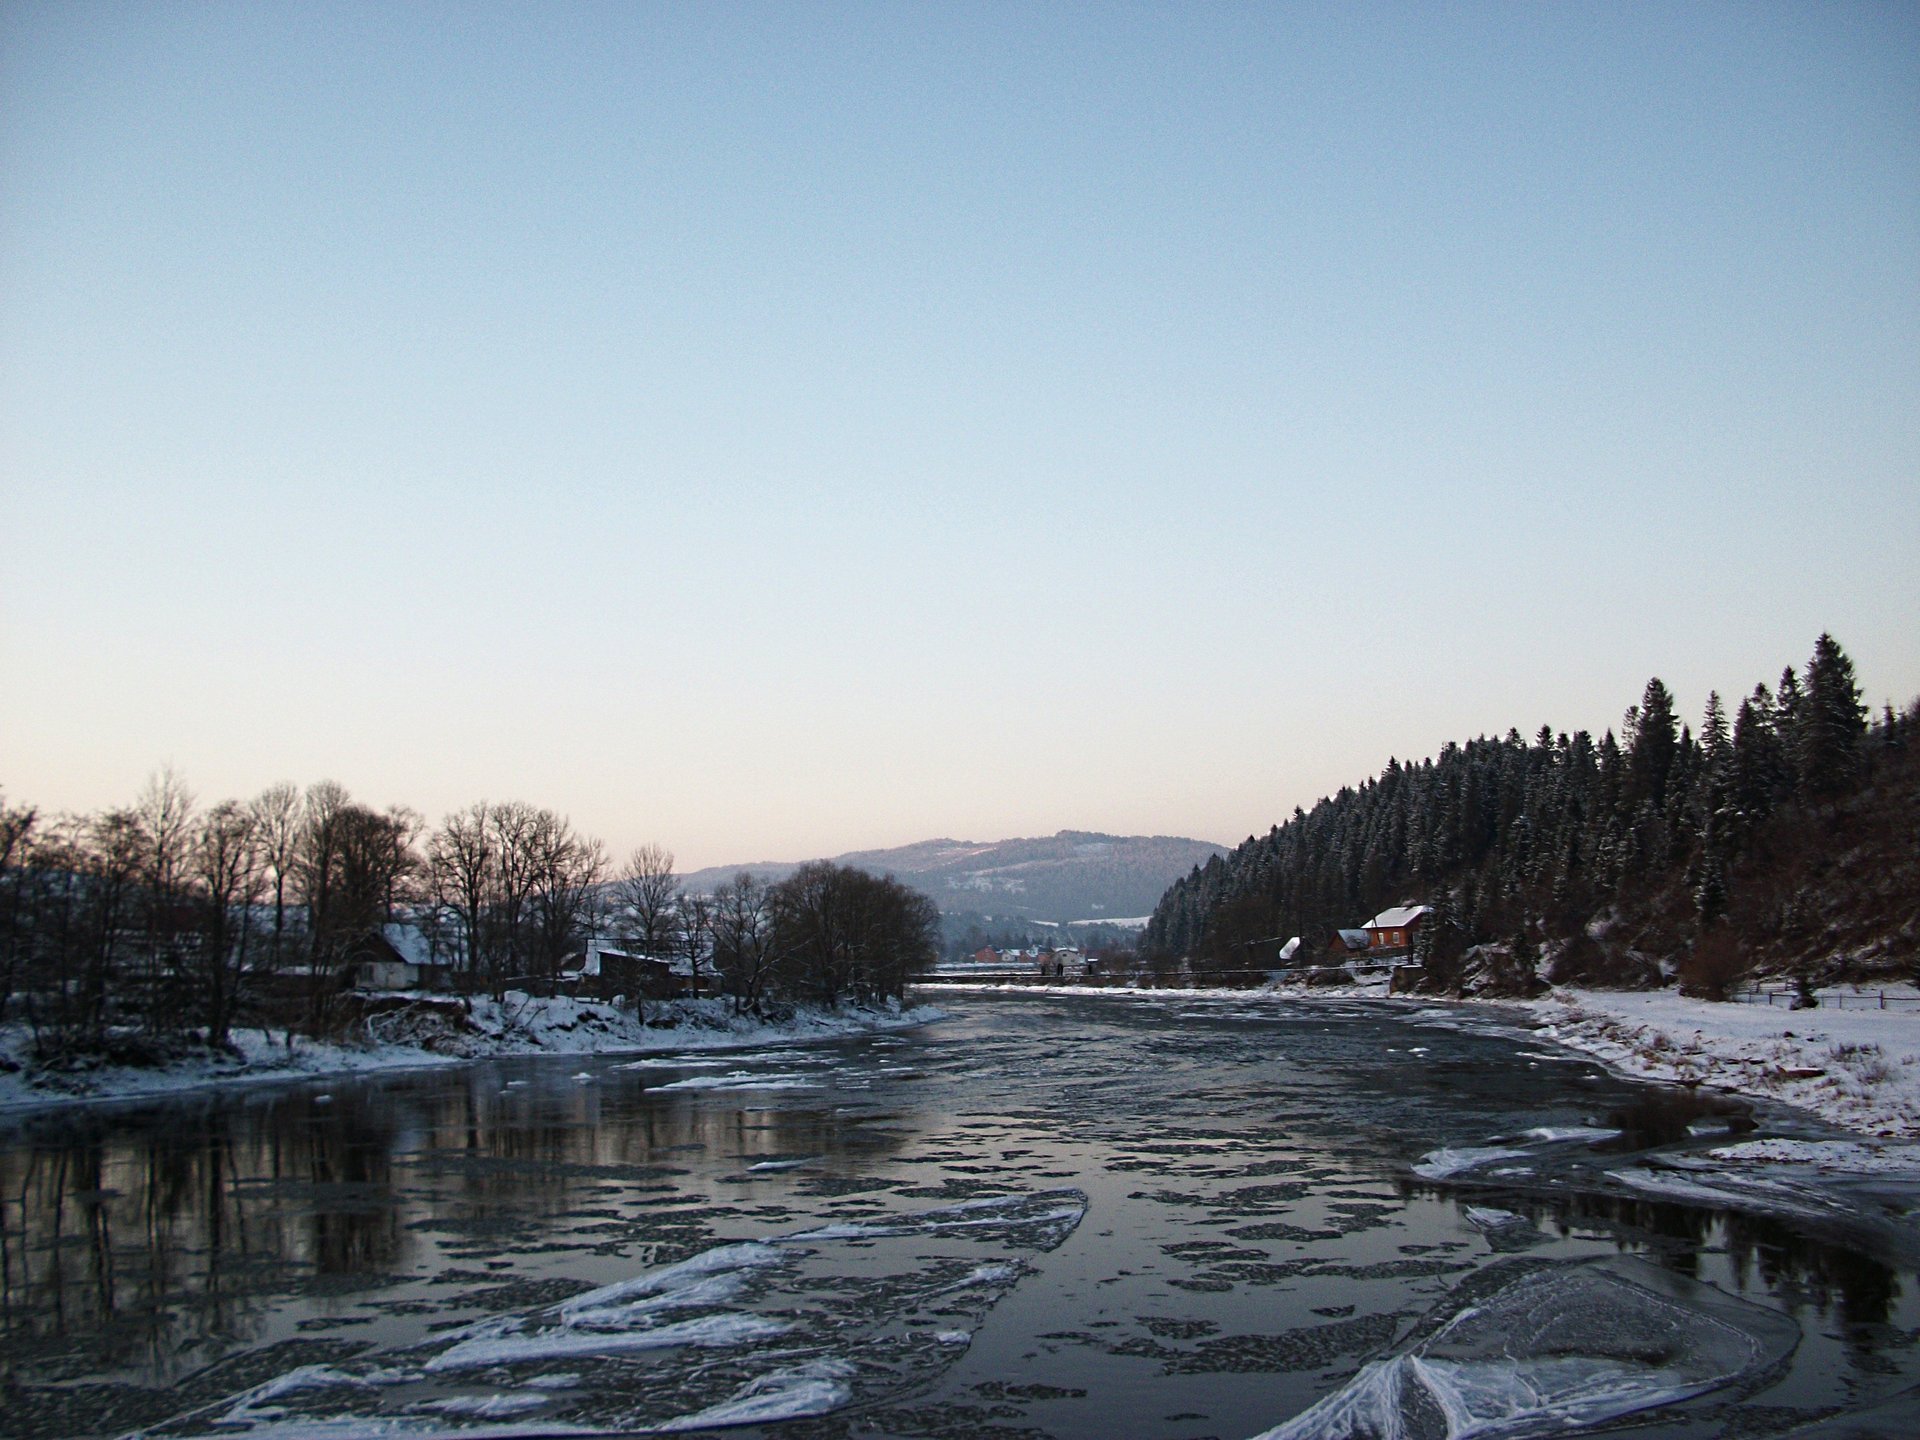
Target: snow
1857 1069
518 1025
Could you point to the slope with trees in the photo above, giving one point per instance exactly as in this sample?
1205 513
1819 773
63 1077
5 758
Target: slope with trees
1779 839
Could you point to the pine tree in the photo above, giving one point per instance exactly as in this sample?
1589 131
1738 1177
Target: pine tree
1650 755
1759 776
1788 706
1831 724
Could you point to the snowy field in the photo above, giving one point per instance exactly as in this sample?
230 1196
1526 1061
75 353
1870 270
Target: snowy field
517 1025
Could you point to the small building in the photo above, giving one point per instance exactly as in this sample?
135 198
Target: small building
1391 932
376 963
606 970
433 969
1348 943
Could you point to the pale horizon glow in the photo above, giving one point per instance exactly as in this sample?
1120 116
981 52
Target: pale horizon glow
777 432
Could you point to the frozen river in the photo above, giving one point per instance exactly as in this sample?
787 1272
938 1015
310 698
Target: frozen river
1048 1216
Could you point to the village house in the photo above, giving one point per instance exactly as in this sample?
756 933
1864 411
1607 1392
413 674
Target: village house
1391 932
606 971
1345 944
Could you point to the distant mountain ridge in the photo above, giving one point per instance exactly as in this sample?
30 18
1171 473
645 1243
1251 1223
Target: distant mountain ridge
1070 875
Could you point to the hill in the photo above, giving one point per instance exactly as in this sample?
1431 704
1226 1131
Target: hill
1777 842
1070 876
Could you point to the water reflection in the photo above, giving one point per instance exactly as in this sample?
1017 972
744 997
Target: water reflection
1253 1232
140 1241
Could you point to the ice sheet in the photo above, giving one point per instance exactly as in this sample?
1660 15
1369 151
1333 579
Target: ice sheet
813 1389
1449 1161
751 1333
1554 1348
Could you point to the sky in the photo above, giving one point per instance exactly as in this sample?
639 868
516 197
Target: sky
779 430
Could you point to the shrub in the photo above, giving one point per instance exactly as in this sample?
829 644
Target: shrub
1715 965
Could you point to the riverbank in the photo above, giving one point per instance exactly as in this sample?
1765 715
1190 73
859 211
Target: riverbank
1855 1069
426 1037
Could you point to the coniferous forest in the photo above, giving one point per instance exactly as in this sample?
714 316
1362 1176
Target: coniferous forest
1776 839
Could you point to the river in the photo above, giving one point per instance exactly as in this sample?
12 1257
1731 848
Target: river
1050 1215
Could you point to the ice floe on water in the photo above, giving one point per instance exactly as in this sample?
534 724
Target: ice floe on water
1845 1156
1448 1161
749 1333
742 1080
1454 1160
1554 1134
1526 1352
815 1388
1504 1230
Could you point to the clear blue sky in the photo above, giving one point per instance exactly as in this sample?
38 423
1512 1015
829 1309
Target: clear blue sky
776 430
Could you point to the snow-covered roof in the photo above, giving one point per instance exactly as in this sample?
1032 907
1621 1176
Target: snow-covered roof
1398 918
590 965
1355 939
1288 950
408 941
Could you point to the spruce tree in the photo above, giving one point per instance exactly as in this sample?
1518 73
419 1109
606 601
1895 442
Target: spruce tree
1656 741
1831 724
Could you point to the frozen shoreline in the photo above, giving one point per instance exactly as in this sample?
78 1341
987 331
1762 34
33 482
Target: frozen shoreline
1855 1069
517 1026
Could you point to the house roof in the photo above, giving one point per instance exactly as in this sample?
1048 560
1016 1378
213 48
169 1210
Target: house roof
408 941
1287 950
1397 918
1355 939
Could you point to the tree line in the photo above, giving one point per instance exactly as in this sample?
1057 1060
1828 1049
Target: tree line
163 919
1532 841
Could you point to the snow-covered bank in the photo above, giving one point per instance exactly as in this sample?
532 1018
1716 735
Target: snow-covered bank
428 1035
1859 1069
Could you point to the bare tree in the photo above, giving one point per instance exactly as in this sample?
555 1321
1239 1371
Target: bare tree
567 873
165 811
110 853
317 868
16 846
275 812
350 861
460 860
649 898
405 827
229 874
743 940
848 933
693 929
513 824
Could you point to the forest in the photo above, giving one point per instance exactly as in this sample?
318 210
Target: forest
1777 838
128 932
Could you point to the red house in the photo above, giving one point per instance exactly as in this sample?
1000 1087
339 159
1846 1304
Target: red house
1391 931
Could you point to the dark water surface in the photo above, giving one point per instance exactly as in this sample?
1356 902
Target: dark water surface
1047 1216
